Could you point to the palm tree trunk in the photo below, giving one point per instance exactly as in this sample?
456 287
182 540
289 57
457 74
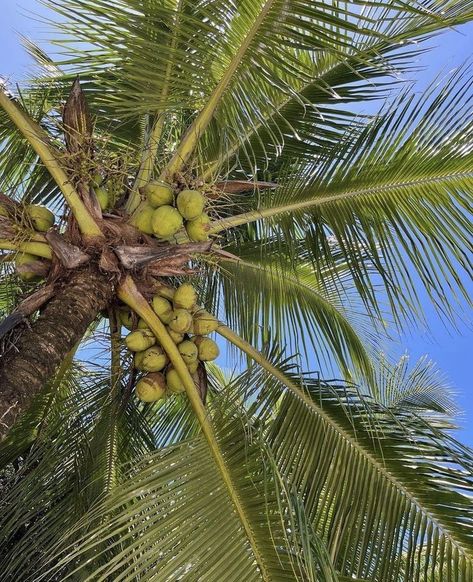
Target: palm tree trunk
27 366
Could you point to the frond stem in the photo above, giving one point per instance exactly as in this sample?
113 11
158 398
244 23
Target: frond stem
33 248
129 294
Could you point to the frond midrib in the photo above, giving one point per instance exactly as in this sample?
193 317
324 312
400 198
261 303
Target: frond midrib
254 215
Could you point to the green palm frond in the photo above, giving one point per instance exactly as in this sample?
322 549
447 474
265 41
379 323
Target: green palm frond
421 388
267 289
398 193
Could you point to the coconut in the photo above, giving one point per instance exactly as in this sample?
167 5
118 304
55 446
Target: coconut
142 324
180 321
188 351
204 323
125 317
158 193
103 197
198 229
163 308
142 219
153 360
176 337
29 267
193 367
165 291
151 387
166 221
207 348
138 360
140 340
41 218
190 204
185 296
174 381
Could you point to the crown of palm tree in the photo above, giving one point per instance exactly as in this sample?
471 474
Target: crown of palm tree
324 223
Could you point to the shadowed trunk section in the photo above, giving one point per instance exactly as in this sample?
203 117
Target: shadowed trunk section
25 369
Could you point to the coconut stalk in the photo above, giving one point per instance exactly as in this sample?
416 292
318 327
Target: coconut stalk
38 139
129 294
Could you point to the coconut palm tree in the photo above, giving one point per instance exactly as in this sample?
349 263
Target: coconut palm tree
320 226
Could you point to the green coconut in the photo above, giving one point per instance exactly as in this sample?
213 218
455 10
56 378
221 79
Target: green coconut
193 367
138 360
165 291
140 340
174 382
208 350
158 193
180 321
142 324
163 308
25 263
188 351
198 229
204 323
103 197
142 219
176 337
185 296
151 387
41 218
125 317
166 221
153 360
190 204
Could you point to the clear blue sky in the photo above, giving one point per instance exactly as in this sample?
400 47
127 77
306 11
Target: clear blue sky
451 349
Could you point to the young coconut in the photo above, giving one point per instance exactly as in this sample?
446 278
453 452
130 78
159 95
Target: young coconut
29 267
185 297
166 221
103 197
166 292
163 308
41 218
125 317
198 228
190 203
138 360
176 337
193 367
174 382
180 320
96 180
140 340
142 220
188 351
153 359
208 350
142 324
204 323
158 193
151 387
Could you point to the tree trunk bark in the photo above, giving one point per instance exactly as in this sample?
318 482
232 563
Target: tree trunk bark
26 368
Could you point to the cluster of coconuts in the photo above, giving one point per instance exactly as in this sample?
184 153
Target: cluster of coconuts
41 219
177 310
102 192
166 211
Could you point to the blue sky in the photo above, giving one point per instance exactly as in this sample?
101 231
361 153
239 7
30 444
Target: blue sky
450 348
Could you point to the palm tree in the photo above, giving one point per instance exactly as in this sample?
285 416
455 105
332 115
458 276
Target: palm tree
324 223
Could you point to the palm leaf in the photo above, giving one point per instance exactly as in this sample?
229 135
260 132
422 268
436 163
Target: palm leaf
398 192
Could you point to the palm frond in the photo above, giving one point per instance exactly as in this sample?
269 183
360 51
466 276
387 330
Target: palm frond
399 192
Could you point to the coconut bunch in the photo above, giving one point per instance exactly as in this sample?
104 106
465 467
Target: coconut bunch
166 210
40 219
105 193
188 326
